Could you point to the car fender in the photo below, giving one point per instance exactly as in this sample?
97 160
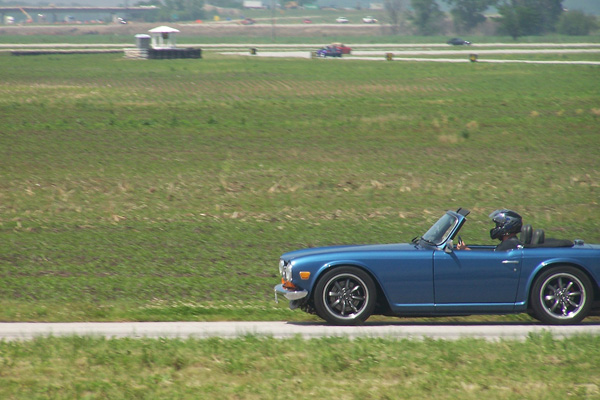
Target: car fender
558 261
347 263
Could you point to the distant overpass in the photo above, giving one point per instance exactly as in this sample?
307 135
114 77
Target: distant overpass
54 11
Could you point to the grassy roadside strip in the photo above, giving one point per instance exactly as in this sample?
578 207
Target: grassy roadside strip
266 368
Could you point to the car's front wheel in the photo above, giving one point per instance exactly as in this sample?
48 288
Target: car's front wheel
561 295
345 296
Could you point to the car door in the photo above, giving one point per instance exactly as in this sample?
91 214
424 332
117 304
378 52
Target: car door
477 280
406 278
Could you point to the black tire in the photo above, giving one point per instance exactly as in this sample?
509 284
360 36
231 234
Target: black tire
562 295
345 296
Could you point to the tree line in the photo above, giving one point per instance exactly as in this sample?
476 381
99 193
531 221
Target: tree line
425 17
515 17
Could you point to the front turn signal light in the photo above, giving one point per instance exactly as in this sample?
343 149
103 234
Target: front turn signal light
289 285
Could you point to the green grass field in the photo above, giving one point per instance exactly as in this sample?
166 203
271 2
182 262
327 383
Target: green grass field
265 368
140 190
166 190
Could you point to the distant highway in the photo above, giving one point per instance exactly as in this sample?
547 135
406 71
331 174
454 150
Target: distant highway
423 52
52 10
62 9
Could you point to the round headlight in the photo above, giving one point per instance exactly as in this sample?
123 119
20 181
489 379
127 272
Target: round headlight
281 264
287 272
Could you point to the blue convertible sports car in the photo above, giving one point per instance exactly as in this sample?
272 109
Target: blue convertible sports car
555 281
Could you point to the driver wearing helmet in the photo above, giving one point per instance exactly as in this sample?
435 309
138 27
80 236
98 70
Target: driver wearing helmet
508 225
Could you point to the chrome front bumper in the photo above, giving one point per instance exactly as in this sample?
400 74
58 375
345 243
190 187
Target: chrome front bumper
289 294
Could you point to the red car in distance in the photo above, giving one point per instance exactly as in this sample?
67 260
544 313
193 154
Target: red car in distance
342 48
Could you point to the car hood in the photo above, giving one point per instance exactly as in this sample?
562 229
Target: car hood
317 251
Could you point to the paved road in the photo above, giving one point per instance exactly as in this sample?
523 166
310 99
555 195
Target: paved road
409 55
373 52
400 330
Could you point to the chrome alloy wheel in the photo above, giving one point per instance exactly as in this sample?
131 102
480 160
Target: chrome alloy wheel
562 296
346 296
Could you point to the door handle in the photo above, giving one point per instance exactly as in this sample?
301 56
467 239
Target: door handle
510 262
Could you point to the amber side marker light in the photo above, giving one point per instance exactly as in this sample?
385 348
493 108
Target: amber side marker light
304 275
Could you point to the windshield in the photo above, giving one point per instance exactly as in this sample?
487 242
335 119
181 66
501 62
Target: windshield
440 231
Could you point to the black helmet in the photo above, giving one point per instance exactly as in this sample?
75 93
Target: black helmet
507 221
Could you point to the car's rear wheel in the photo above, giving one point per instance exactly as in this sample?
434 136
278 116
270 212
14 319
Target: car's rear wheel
561 295
345 296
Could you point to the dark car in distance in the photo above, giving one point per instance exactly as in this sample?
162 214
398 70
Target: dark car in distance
458 42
